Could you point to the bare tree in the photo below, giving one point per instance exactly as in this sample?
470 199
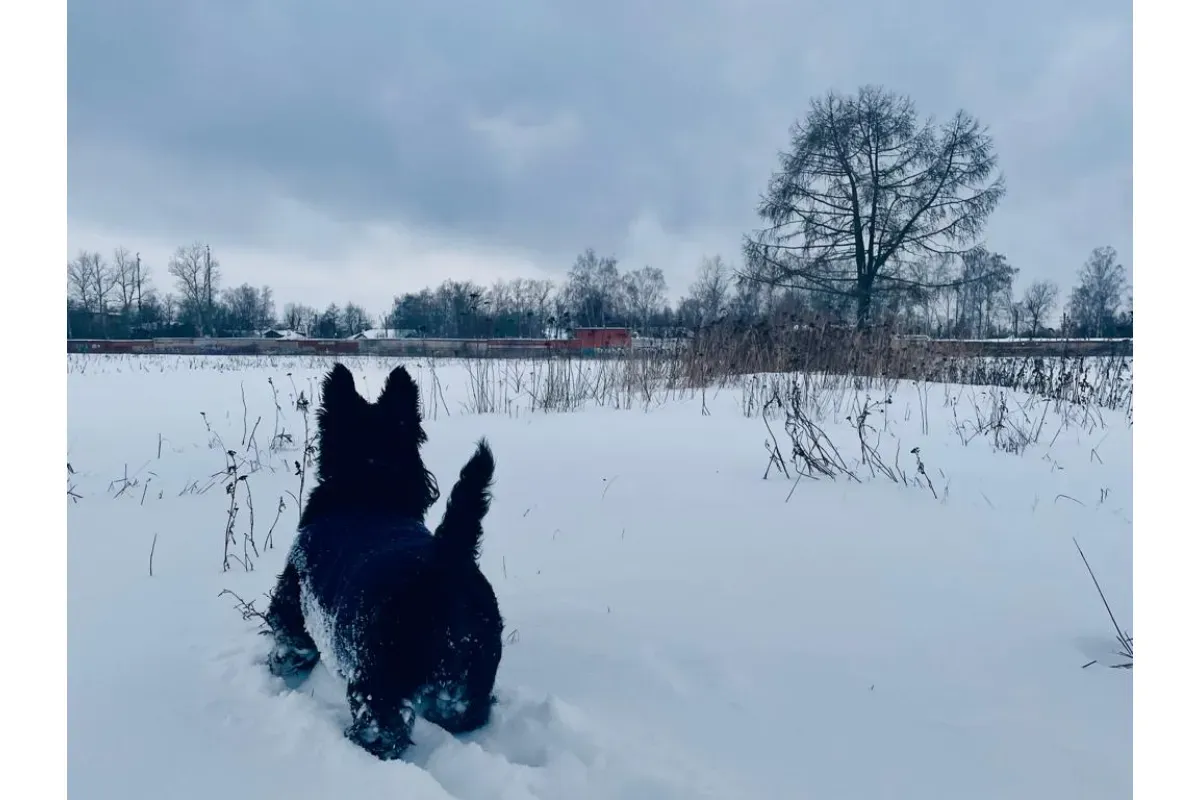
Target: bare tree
89 281
592 294
645 293
243 305
865 186
921 299
711 288
187 267
151 309
79 286
1096 300
688 314
266 309
522 303
985 288
749 299
354 319
1038 303
124 279
198 276
170 308
503 297
299 317
533 296
456 309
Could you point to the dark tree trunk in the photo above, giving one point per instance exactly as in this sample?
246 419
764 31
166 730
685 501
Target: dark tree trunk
863 304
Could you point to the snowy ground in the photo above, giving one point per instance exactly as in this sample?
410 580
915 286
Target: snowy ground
678 627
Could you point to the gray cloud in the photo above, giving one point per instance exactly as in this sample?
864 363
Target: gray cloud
403 142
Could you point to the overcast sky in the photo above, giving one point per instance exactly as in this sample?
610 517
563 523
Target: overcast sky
354 150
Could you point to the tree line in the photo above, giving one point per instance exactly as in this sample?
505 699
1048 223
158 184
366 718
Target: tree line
875 217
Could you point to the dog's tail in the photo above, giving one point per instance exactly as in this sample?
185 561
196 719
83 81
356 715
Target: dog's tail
458 536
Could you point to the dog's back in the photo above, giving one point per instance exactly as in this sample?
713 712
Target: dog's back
344 555
347 564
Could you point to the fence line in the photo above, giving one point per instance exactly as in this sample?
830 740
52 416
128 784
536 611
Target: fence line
527 348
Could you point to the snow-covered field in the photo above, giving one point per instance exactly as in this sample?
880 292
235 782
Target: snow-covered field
678 627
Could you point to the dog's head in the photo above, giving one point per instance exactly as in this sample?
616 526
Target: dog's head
371 451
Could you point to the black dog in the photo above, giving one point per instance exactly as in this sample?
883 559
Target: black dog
405 617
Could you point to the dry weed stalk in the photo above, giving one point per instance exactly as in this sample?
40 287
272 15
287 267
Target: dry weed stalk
71 493
1124 640
248 542
232 480
305 461
246 609
869 452
813 454
269 541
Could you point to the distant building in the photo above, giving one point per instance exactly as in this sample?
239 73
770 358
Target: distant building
281 333
602 337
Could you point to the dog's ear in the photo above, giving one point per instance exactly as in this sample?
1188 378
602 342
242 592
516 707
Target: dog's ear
401 396
338 392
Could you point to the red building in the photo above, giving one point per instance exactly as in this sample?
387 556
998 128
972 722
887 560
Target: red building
602 337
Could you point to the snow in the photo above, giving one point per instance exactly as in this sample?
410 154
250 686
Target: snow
677 626
283 333
383 333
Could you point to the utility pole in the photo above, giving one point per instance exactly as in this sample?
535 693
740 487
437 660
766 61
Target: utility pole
137 276
207 289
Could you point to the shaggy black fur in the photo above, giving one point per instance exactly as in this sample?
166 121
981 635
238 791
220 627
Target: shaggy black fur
407 618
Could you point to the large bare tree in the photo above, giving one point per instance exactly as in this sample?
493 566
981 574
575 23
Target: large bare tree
866 186
266 308
299 317
248 308
710 290
1094 303
90 281
593 292
984 288
354 319
79 281
198 276
125 279
645 293
522 303
1038 302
